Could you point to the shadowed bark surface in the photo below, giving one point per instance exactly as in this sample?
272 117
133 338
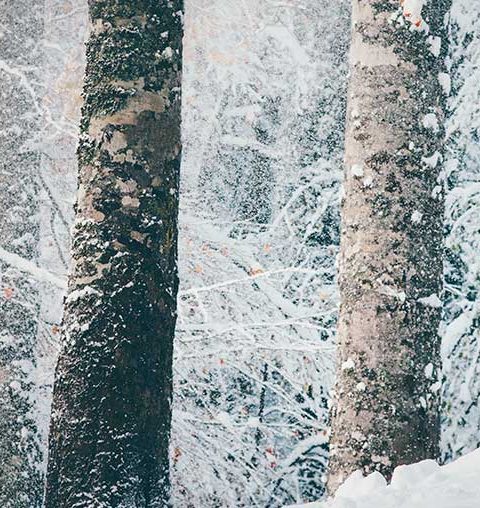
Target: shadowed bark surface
386 400
112 398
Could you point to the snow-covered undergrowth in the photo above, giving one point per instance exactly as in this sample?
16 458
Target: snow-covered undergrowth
460 330
422 485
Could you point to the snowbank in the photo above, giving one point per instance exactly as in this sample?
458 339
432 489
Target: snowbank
422 485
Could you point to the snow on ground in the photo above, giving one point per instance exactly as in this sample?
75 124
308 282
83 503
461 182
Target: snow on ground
422 485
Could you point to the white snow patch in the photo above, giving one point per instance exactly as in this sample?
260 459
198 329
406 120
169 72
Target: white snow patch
430 121
412 10
358 435
361 387
16 386
445 82
348 364
435 45
368 182
433 160
393 292
360 485
357 170
78 294
437 191
403 476
416 217
431 301
24 433
167 53
429 371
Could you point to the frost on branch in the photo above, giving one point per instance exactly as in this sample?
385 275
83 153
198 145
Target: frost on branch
263 129
41 51
461 328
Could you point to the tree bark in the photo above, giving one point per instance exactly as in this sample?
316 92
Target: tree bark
21 478
386 398
109 438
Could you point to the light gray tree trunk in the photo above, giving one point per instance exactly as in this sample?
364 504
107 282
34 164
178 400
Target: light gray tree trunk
386 400
109 438
21 31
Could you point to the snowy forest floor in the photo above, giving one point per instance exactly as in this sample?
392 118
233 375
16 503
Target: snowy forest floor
422 485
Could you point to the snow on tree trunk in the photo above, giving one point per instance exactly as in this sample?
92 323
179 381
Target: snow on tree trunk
109 438
386 400
20 457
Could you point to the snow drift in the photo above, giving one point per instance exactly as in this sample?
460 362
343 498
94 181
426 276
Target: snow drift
421 485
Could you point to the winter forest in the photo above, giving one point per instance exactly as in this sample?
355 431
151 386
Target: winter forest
239 253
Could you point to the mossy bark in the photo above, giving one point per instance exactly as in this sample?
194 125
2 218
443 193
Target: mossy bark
387 393
109 439
21 479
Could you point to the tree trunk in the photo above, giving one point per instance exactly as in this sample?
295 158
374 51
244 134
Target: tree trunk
20 51
386 400
109 438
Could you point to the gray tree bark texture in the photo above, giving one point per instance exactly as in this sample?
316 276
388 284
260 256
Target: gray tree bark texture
21 33
386 398
109 437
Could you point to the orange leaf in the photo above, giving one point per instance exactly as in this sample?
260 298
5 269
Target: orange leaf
8 293
177 453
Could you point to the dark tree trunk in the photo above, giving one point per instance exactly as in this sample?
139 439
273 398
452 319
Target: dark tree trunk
21 482
386 410
109 438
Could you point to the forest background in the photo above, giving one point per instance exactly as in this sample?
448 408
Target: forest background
263 122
